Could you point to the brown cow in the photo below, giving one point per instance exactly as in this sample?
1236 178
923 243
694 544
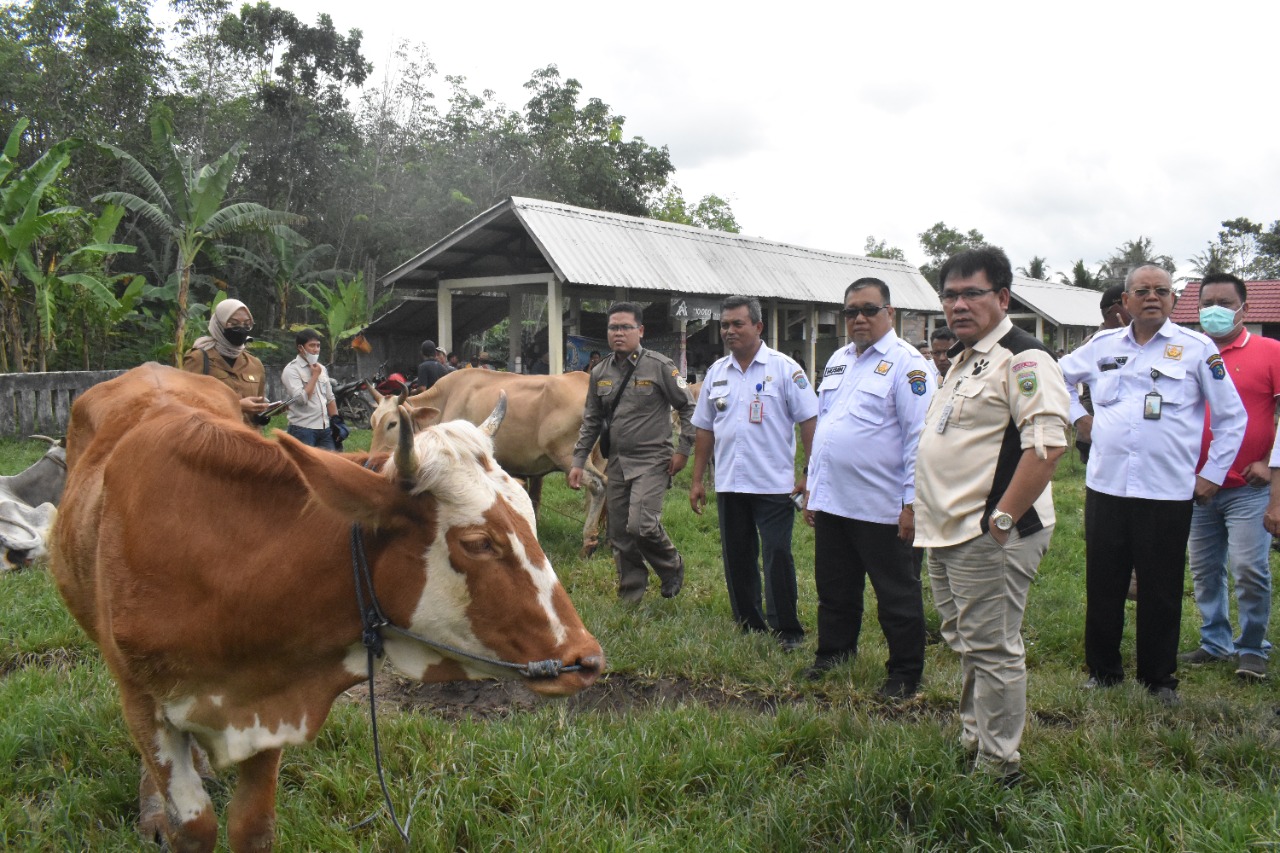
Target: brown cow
545 415
213 568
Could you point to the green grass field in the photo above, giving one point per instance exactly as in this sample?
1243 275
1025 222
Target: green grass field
699 739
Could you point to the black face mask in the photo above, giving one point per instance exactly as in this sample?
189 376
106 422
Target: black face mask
236 337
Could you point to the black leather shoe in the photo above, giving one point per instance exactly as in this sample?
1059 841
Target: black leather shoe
824 664
895 690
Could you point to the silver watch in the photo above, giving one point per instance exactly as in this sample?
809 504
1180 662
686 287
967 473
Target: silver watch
1002 521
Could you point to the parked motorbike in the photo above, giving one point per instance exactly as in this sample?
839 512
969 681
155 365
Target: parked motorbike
355 403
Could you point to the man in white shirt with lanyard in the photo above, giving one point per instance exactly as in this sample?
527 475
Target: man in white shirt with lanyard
750 404
871 408
1149 382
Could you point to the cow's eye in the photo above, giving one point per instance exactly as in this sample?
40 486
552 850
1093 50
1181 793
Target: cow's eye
478 544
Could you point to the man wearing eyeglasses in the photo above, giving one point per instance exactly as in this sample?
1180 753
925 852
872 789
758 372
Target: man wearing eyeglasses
1150 382
862 489
984 506
751 402
630 397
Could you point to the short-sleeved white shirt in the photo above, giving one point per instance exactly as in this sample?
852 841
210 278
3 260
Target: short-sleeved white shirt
1134 456
871 410
755 458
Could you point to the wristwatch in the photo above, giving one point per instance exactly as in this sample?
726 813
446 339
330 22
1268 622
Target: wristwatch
1002 521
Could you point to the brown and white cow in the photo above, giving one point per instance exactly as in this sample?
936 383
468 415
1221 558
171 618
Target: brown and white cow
212 567
544 418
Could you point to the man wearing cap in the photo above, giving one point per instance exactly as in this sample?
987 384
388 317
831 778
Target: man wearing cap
630 398
861 503
984 502
433 367
752 401
1228 528
1151 382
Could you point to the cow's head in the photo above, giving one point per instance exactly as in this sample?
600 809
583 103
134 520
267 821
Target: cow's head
27 508
453 532
387 418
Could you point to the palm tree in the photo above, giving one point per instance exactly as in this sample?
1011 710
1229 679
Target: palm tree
1130 255
1215 258
1081 277
1038 269
187 203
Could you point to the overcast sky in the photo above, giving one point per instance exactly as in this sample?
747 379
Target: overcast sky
1058 130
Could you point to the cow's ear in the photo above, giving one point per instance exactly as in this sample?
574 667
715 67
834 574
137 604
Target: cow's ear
425 417
358 493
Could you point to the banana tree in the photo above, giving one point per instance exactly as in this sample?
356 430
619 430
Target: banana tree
23 226
343 307
189 204
287 265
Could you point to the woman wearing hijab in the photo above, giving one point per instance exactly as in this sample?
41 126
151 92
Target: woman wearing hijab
222 355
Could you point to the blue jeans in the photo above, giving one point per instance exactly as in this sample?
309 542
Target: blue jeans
1228 530
322 438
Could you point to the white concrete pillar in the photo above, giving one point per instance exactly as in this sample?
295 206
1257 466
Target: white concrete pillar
555 324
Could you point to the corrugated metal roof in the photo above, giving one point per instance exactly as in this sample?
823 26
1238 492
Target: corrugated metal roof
1061 304
612 250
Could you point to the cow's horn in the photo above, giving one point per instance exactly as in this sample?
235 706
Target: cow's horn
52 441
491 423
406 455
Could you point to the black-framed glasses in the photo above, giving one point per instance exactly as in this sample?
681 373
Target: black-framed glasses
968 294
866 311
1144 292
622 327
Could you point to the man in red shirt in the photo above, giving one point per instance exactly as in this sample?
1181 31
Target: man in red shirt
1228 529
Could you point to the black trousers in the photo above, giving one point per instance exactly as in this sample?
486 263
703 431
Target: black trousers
1150 538
846 551
755 534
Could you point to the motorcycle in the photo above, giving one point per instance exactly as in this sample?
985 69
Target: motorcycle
356 403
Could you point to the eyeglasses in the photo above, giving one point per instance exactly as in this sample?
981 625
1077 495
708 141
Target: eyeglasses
245 328
1144 292
968 294
865 311
623 327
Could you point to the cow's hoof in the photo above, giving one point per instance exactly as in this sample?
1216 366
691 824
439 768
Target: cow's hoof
588 549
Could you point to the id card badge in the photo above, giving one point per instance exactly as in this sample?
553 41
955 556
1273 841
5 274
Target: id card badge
756 414
1151 406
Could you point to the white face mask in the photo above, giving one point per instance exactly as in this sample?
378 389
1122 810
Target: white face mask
311 357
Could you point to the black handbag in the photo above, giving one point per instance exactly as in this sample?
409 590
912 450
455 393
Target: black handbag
613 407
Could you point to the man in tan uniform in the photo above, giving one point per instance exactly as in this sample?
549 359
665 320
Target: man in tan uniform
630 399
992 437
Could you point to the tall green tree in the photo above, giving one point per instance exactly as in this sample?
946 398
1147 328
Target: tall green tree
1082 276
940 242
1037 268
711 212
1130 255
874 248
1267 263
189 204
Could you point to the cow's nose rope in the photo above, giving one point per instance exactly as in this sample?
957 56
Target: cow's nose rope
373 622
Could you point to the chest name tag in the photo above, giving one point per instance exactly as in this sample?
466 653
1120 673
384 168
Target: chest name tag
756 413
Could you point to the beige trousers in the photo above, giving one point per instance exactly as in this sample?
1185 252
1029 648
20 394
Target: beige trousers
980 591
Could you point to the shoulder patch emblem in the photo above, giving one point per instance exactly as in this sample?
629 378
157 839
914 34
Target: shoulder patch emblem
1216 367
1027 382
917 379
800 379
883 367
834 370
1173 351
680 383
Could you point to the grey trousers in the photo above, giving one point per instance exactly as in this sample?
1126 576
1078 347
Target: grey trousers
980 591
636 532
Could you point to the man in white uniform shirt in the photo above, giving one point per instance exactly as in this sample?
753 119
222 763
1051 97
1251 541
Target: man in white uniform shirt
871 407
1149 382
750 404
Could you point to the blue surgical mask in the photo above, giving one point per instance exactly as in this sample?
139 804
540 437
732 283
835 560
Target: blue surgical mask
1217 321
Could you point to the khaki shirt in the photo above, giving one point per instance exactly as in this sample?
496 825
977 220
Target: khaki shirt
246 377
640 436
1003 395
